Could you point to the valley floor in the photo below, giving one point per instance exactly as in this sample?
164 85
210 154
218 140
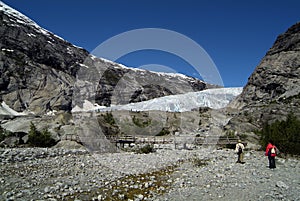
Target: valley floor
202 174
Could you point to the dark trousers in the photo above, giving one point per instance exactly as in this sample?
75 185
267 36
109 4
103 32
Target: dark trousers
240 158
271 161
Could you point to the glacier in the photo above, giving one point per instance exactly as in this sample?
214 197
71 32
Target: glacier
6 110
213 98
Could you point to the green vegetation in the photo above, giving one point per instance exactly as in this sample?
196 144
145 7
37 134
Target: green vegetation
148 148
109 118
111 77
163 132
141 123
40 138
4 134
230 134
125 187
285 135
197 162
290 99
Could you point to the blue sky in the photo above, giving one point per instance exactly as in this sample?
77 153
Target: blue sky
235 34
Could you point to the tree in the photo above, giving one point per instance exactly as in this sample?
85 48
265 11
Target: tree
285 134
40 139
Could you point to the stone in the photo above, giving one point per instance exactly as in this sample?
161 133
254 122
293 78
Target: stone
281 184
10 142
100 197
47 189
140 197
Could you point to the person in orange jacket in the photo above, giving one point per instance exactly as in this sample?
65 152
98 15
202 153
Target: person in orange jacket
271 153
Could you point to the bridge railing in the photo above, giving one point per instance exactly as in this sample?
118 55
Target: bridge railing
71 137
219 140
176 140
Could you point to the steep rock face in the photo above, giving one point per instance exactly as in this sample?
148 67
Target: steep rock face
277 77
38 70
273 90
119 85
37 67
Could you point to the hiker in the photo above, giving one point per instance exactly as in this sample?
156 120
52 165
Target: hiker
271 153
239 150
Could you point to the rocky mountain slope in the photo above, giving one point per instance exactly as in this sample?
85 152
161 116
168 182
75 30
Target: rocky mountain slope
273 90
38 71
37 67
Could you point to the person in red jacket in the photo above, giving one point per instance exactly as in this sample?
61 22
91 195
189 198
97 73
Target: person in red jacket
271 153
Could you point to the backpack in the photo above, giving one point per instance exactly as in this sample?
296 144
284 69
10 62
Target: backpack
240 150
273 151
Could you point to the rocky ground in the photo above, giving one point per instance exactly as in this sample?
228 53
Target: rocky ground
202 174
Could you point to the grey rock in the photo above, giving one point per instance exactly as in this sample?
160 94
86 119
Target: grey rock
140 197
10 142
66 144
281 184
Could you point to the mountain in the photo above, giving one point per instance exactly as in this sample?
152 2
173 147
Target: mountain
273 89
43 77
54 84
39 71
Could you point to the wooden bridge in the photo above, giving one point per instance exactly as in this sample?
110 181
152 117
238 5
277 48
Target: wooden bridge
218 140
71 137
201 140
121 141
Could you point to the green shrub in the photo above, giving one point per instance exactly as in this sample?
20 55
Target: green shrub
109 118
4 134
141 123
146 149
230 134
230 146
197 162
40 139
163 132
285 135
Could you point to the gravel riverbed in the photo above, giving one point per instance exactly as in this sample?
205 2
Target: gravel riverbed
201 174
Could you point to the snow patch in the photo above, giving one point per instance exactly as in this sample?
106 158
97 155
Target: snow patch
83 65
19 18
87 107
51 113
6 110
142 71
50 43
31 35
7 50
69 50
